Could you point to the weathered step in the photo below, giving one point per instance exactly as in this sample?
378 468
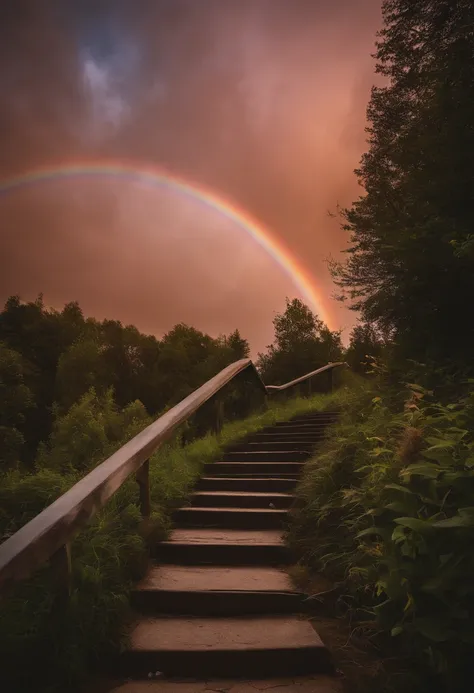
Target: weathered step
313 683
254 468
308 429
246 484
286 436
236 499
243 647
216 591
231 518
266 456
273 446
326 417
224 547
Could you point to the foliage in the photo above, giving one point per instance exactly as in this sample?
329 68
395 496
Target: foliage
63 355
302 344
387 513
15 400
409 269
364 346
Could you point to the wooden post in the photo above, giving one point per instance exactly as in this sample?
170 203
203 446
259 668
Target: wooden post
61 566
143 480
330 380
219 414
310 390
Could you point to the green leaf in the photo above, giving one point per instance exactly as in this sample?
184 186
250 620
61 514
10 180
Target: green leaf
370 531
415 524
429 471
396 631
403 489
433 629
455 521
397 507
440 453
380 451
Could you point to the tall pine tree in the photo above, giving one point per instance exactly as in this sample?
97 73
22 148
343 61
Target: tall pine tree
410 269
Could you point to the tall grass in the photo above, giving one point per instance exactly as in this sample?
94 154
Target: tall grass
44 648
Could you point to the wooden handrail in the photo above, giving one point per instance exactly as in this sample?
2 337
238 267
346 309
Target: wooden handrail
48 535
278 388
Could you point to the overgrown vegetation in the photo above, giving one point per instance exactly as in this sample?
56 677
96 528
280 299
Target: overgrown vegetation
387 514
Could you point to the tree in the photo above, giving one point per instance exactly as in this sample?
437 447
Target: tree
90 431
15 400
240 347
302 344
80 367
410 271
364 344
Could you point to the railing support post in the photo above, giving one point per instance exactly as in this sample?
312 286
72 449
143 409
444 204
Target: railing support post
143 480
219 415
61 566
330 380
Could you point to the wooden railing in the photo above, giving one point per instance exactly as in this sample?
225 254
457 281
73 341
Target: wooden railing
48 535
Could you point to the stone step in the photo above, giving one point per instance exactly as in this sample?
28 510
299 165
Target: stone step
236 499
266 456
243 647
223 547
270 484
263 446
216 591
254 468
231 518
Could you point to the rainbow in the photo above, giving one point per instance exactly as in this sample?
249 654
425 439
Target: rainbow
152 177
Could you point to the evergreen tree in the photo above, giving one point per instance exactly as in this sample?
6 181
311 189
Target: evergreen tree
410 270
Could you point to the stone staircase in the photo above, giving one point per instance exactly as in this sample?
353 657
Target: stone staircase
220 603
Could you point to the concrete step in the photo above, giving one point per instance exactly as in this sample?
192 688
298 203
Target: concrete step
236 499
231 518
254 468
224 547
273 446
216 591
268 484
244 647
266 456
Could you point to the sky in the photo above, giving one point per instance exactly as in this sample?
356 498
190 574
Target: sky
261 102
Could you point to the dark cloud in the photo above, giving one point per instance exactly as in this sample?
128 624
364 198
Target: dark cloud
263 101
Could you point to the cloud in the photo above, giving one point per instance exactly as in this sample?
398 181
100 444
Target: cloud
264 102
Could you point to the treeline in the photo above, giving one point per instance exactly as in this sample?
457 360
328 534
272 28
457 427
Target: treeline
410 266
62 374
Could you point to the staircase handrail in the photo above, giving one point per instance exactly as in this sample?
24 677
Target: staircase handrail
48 535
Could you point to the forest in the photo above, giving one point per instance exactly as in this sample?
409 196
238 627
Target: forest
386 510
57 367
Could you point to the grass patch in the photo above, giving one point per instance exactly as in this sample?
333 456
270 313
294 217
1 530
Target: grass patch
63 646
